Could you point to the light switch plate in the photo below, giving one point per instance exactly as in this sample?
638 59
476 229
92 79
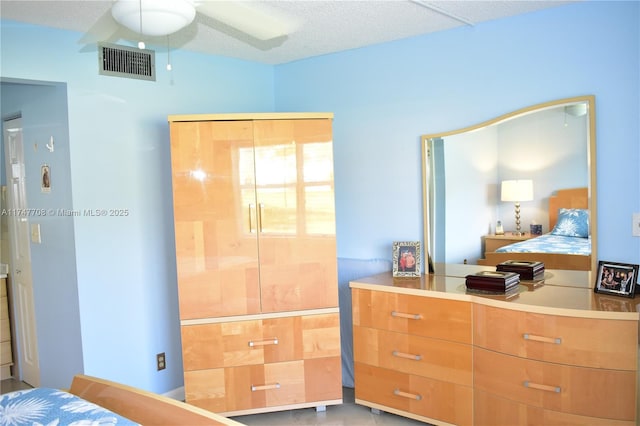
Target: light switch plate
636 225
35 233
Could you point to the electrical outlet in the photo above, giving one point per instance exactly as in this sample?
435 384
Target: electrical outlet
161 361
636 225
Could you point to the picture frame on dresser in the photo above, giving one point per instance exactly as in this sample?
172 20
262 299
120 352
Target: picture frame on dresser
618 279
406 259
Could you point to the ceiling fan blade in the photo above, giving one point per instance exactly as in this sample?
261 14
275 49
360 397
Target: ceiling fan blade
104 29
242 16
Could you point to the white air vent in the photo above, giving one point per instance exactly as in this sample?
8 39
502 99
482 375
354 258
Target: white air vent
129 62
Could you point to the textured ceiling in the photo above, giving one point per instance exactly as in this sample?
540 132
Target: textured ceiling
327 26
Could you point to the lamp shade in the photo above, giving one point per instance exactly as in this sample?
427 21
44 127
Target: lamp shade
159 17
517 190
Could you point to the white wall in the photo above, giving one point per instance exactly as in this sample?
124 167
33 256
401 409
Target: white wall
471 162
549 147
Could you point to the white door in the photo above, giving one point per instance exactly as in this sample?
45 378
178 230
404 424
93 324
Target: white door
20 268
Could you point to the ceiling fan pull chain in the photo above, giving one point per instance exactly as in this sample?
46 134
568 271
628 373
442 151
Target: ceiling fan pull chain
169 67
141 43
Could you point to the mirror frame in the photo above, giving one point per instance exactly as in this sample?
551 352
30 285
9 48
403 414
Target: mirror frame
591 165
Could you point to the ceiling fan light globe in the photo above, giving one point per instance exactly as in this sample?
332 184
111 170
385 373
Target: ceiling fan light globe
159 17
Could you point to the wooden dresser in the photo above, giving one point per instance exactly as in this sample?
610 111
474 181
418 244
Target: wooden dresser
556 353
256 261
6 351
413 354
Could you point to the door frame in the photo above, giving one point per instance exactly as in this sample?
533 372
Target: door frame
22 316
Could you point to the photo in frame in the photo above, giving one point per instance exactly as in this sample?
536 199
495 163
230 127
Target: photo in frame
406 258
45 178
617 279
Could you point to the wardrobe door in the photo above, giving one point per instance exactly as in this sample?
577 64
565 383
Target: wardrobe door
215 218
296 214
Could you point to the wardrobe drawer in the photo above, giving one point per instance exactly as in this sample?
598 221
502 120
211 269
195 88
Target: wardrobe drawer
490 410
424 316
229 344
422 356
229 391
568 340
430 398
569 389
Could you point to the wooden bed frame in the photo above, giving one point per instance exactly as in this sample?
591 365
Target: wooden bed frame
577 198
141 406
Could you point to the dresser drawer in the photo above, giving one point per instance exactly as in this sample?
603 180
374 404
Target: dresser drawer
425 397
5 330
4 307
228 344
490 410
422 356
422 316
569 389
6 357
578 341
231 390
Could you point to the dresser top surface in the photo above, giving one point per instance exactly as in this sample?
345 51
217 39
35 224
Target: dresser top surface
559 292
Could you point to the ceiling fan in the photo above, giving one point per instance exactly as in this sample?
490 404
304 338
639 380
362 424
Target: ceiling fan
154 18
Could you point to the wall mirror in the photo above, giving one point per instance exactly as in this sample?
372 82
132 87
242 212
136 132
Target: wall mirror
466 173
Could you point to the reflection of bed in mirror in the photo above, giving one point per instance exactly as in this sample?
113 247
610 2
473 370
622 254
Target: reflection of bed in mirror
566 246
553 144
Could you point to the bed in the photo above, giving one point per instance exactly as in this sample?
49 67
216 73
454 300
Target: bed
566 246
93 401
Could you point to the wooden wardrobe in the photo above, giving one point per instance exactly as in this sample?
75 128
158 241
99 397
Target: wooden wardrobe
256 260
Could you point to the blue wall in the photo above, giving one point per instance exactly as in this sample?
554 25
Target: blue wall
44 111
119 159
384 97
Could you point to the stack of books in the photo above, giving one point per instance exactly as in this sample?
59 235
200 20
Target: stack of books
495 281
528 270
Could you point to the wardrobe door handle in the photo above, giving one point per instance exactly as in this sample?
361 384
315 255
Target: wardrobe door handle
251 206
528 384
403 315
260 208
398 392
554 340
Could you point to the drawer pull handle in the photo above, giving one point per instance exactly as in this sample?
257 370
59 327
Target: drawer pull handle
398 392
265 387
408 316
263 342
408 356
554 340
528 384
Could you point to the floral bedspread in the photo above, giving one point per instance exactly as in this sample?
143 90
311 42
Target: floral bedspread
53 407
550 243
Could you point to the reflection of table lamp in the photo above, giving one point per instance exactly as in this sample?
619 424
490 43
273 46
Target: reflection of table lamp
517 191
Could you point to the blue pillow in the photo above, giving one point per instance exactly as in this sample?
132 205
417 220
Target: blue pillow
572 223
